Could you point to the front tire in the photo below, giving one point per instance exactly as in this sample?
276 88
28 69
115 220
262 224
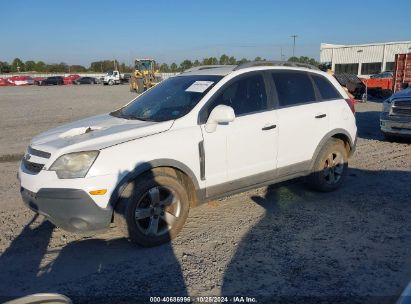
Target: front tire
330 167
140 85
388 137
111 82
154 210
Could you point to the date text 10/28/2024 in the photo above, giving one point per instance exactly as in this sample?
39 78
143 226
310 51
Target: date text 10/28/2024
238 299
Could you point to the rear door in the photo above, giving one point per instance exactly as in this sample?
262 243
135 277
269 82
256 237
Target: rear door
339 114
302 119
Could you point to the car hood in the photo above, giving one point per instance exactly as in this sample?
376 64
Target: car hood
406 93
94 133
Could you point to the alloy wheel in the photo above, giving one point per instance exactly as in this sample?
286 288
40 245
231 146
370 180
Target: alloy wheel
157 211
333 167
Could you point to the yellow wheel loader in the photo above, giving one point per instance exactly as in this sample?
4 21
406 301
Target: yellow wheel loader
143 76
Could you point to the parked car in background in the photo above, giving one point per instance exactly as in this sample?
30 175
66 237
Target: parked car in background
16 81
21 80
204 134
53 80
395 119
70 78
38 79
383 75
86 80
115 77
4 82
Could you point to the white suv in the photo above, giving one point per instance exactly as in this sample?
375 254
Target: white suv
201 135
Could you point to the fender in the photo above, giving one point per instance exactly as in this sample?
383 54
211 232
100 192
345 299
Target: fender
146 166
327 137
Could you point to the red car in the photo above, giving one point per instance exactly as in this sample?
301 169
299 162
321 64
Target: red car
21 80
69 79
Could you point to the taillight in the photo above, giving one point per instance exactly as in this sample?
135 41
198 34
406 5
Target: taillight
351 104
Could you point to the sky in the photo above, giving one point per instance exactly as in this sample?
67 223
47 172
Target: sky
79 32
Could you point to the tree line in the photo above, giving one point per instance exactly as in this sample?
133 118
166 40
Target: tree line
17 65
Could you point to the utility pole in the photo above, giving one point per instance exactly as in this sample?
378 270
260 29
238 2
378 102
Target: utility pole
294 36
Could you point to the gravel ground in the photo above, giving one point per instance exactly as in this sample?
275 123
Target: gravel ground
282 242
27 111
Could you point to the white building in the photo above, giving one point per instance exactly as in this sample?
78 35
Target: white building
363 59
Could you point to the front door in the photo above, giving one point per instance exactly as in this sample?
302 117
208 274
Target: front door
243 152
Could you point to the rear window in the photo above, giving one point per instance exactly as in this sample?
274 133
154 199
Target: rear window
293 88
326 89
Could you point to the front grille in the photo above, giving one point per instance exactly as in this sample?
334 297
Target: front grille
401 107
404 103
38 153
32 167
401 111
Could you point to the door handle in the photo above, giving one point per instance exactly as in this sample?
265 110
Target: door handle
320 115
269 127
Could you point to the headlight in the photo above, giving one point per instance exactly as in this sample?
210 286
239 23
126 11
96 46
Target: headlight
74 165
386 105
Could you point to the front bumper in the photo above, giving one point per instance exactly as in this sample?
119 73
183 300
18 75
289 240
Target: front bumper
396 125
70 209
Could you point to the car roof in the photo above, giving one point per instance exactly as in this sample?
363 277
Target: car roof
224 70
210 70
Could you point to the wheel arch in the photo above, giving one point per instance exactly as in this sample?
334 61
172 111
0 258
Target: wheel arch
342 134
182 172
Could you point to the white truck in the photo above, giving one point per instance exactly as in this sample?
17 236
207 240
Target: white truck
115 77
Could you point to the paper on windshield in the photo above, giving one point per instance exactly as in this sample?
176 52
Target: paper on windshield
199 86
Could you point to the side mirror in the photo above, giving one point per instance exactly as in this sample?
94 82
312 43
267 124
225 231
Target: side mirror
219 115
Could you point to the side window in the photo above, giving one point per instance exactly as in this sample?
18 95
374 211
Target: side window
326 89
293 88
245 95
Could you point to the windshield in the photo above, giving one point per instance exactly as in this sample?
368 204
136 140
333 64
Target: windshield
109 73
170 99
143 65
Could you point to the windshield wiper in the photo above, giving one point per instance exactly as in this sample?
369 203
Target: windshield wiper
120 114
139 118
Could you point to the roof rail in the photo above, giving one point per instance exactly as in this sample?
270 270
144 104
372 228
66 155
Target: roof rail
275 63
206 67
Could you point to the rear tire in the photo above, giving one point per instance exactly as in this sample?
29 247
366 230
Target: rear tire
330 167
154 209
